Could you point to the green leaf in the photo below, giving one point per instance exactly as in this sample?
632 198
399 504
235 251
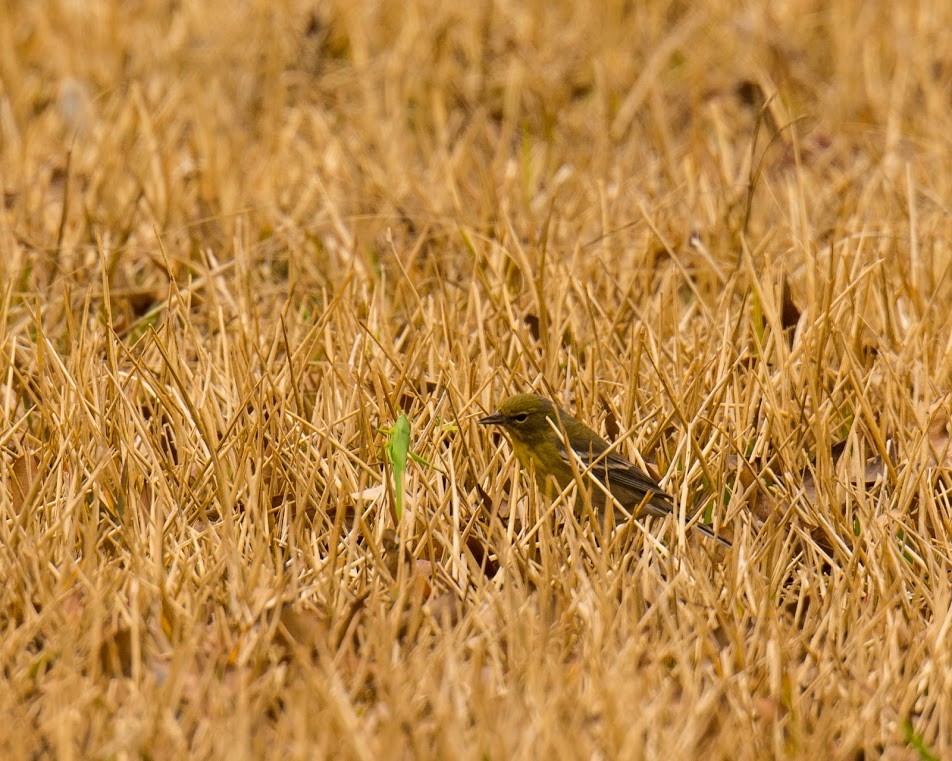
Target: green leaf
398 449
915 741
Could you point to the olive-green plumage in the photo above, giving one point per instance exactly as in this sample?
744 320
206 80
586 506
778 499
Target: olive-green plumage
538 429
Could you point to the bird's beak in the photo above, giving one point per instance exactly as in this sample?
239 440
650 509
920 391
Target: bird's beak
494 419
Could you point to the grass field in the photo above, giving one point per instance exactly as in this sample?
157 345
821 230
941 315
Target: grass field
238 240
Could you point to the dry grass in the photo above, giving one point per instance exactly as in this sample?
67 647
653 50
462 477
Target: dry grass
238 239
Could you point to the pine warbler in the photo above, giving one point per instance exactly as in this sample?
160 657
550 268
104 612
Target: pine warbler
539 429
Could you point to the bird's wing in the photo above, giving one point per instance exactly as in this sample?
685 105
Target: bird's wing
622 471
615 470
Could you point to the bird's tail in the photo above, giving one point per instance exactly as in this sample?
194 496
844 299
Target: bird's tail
708 531
661 504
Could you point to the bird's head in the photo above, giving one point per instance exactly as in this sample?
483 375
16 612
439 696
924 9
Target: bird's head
525 417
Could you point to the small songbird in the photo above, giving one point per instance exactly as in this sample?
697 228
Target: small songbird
539 429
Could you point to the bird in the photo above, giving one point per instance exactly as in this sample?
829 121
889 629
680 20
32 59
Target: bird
538 430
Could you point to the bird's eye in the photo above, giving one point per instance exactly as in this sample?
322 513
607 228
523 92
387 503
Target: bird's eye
522 417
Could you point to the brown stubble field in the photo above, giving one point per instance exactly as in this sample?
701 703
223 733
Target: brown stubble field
237 240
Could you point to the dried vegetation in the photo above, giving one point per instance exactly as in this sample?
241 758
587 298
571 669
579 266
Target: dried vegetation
238 240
